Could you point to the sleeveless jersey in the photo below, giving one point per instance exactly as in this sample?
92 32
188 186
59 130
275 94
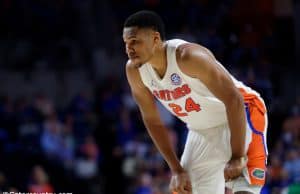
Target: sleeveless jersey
186 97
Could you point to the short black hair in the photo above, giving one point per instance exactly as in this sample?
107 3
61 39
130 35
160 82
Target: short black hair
146 19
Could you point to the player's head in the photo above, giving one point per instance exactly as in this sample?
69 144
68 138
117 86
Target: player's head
143 31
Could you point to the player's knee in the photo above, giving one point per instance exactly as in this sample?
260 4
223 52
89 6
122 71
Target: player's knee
243 192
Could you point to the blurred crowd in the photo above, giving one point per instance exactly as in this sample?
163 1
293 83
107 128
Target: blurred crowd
91 139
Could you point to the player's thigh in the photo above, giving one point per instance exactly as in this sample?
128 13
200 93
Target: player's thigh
204 163
206 147
208 179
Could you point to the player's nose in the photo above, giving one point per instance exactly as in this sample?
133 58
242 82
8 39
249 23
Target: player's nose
129 49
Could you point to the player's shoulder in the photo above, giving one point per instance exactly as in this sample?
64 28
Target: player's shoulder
188 49
134 78
130 67
132 71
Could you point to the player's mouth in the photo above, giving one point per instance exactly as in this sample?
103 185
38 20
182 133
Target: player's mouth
132 56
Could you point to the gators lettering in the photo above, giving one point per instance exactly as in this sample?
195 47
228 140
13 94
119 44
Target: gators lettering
168 95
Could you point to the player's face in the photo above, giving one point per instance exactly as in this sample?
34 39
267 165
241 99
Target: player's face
139 44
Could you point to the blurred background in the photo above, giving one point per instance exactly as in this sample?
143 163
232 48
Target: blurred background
68 122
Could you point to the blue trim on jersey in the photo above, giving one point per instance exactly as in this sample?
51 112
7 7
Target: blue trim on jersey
254 130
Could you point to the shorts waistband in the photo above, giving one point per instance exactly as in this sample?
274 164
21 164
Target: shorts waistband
221 126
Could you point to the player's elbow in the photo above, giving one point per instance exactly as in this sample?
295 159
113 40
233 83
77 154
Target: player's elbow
151 120
234 98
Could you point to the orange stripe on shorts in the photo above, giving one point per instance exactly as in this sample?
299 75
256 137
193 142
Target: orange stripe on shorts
257 153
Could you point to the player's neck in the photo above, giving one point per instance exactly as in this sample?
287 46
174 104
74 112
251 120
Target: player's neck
159 59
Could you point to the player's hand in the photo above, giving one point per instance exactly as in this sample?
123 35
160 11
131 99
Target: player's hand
180 183
234 168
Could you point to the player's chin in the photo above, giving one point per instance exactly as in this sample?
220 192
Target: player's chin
137 63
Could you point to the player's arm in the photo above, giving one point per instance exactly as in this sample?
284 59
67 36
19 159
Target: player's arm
151 118
198 62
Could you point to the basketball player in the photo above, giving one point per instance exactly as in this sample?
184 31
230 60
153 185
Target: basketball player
226 119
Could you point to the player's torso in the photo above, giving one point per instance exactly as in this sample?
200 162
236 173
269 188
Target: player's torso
185 97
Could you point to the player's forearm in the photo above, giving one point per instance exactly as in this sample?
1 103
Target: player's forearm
237 124
159 135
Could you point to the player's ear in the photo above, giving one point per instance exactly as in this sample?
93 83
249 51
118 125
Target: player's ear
156 37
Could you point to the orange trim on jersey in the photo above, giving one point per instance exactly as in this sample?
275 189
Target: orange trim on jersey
257 151
253 100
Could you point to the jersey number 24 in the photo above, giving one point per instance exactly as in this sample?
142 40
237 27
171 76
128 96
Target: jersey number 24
190 105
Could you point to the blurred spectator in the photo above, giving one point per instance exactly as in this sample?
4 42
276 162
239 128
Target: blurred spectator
126 130
292 165
39 182
3 183
86 167
145 185
43 104
51 139
275 172
67 152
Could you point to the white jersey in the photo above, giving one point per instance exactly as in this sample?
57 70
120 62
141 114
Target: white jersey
186 97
